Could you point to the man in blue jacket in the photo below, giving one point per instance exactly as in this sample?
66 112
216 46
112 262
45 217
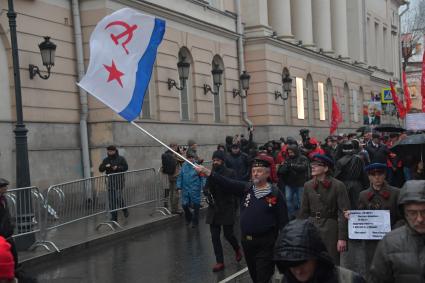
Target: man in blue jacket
190 184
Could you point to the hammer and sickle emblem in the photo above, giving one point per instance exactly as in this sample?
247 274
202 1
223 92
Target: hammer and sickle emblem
128 32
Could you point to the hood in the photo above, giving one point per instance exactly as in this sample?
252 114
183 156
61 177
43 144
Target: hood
412 191
300 240
294 148
291 140
229 139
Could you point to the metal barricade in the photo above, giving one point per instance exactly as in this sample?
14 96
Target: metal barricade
134 188
74 201
25 206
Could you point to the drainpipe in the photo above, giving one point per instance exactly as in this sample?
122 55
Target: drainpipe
83 95
241 62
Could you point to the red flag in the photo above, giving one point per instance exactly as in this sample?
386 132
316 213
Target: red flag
423 83
398 104
407 97
336 116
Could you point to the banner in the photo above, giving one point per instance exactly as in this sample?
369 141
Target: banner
372 113
398 104
406 91
123 49
336 118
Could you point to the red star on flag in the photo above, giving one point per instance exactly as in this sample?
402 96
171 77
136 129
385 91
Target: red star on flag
114 73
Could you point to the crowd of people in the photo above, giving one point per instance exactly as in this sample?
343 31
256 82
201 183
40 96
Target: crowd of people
294 197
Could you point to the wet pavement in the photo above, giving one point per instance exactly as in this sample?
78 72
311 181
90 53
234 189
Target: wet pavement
171 253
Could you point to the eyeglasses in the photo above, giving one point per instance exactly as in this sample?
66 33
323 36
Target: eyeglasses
413 214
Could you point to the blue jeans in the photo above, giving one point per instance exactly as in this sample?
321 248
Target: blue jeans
293 200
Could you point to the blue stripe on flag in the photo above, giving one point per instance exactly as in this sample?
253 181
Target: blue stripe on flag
144 73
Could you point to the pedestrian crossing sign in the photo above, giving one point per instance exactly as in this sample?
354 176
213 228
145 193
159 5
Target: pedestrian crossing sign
386 96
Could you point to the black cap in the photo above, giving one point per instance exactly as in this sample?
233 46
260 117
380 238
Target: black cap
111 147
235 145
219 154
321 158
260 161
3 182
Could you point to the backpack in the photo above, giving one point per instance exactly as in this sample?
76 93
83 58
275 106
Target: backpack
169 163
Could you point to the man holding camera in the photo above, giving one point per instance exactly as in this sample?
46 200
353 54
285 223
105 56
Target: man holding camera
221 211
112 164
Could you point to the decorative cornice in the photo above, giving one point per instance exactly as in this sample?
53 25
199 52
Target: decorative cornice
185 19
308 53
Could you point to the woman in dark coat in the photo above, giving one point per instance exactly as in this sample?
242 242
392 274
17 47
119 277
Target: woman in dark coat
221 211
301 256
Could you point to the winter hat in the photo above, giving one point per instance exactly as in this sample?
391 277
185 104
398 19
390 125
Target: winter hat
3 183
218 154
7 264
111 147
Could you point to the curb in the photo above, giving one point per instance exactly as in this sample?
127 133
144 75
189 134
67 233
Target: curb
47 258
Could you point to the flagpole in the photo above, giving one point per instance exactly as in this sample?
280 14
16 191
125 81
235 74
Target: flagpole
176 153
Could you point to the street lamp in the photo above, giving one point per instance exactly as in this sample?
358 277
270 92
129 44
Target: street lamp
47 50
244 80
217 80
23 204
183 68
286 88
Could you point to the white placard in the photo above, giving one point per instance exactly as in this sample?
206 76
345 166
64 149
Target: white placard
415 121
368 224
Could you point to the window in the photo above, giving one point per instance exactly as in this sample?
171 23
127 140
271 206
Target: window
146 107
356 104
310 99
329 95
217 108
320 91
346 104
300 97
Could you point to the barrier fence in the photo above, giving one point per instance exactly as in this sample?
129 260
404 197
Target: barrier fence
25 210
95 198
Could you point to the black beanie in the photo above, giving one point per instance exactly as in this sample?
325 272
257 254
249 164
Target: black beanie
219 154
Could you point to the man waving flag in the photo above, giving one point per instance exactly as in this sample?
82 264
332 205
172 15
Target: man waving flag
123 49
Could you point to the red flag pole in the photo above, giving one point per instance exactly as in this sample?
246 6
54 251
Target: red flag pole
163 144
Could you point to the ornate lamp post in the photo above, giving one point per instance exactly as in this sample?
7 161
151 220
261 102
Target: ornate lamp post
24 205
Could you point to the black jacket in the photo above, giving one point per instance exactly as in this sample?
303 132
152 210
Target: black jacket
250 214
223 211
295 171
114 181
6 226
240 164
299 240
377 154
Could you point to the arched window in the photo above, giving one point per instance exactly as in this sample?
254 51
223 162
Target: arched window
329 96
218 100
310 96
186 92
346 104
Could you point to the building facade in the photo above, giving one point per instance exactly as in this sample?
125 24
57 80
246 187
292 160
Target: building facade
330 48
